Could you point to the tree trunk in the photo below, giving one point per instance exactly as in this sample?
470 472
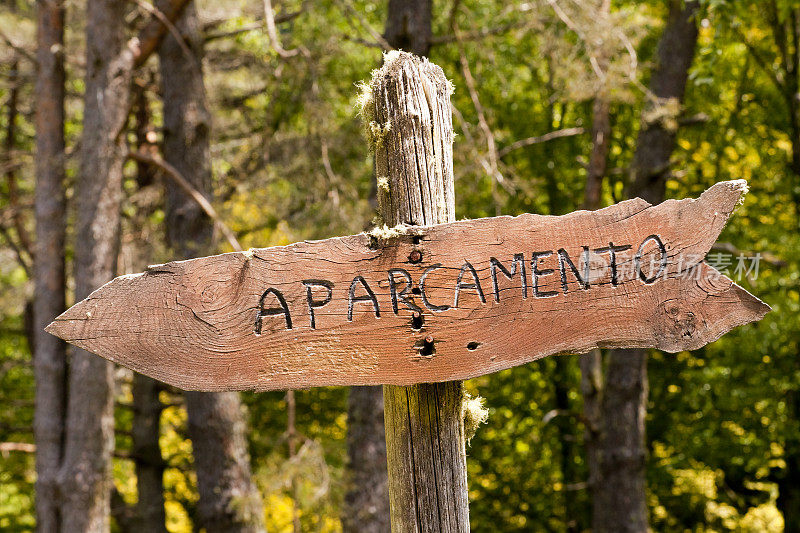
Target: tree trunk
620 500
408 26
366 503
424 425
50 353
84 478
656 141
229 501
150 514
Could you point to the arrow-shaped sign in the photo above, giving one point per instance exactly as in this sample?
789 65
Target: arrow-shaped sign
424 304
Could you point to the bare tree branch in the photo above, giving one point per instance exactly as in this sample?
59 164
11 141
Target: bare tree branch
150 37
479 34
375 34
272 33
210 35
761 60
201 200
493 169
157 13
574 27
557 134
24 447
17 48
23 262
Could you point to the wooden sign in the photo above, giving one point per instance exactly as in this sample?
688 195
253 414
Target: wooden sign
428 304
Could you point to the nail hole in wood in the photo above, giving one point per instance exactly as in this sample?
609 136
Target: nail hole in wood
473 346
428 349
415 256
416 320
416 239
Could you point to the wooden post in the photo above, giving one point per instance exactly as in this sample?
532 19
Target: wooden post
412 134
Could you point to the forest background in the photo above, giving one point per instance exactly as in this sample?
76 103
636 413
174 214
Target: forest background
558 105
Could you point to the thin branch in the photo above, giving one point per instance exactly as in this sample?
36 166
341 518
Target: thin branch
731 249
364 42
151 35
761 61
157 13
187 187
10 174
694 120
493 169
557 134
375 34
272 33
479 34
17 251
253 26
574 27
24 447
17 48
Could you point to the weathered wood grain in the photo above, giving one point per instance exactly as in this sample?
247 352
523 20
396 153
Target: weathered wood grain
193 323
425 454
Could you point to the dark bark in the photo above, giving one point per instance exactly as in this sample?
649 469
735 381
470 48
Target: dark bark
408 26
601 139
150 515
229 501
656 141
565 426
49 357
366 503
619 499
84 478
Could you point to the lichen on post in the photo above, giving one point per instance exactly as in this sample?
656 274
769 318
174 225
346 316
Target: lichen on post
408 104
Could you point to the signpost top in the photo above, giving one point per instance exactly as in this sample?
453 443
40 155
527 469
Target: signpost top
432 303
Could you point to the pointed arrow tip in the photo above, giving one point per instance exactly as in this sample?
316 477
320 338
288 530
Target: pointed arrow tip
726 195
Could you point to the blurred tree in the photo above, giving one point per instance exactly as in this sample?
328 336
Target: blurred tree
229 500
84 476
408 26
49 353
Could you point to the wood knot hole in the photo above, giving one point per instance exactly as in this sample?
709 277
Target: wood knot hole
473 346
